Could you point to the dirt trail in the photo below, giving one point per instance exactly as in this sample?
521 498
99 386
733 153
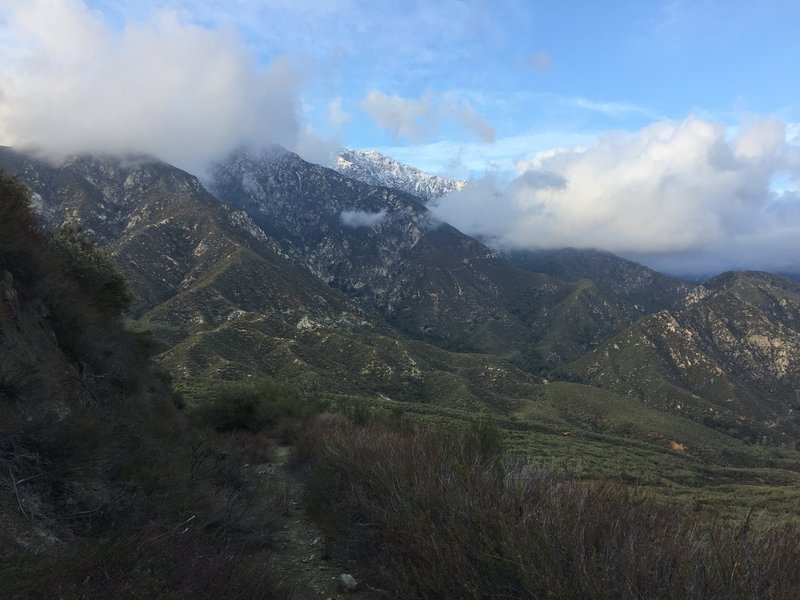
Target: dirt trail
301 550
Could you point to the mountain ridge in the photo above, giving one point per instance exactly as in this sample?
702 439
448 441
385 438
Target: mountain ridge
727 357
374 168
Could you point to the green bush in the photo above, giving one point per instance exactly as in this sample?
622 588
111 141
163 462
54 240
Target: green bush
358 410
254 405
93 270
487 436
17 224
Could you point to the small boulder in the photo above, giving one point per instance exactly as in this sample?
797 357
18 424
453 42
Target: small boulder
348 583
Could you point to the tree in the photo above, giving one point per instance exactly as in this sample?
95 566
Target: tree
93 270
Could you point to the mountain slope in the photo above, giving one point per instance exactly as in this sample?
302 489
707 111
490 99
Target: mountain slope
381 247
730 358
384 250
634 287
223 300
226 300
296 290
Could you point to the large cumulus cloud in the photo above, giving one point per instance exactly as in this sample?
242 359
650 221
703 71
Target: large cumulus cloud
685 196
70 82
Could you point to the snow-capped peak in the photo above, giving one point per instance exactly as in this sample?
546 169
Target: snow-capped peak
374 168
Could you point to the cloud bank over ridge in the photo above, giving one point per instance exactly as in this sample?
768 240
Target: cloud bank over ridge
689 196
70 82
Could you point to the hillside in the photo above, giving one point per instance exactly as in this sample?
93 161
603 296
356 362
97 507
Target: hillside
223 299
227 303
194 265
726 359
632 286
406 316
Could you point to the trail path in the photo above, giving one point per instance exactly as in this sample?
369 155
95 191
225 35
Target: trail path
301 549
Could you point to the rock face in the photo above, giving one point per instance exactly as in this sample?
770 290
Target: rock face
170 238
374 168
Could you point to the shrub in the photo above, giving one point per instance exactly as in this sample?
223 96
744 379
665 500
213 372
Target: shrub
487 436
358 410
254 405
93 270
143 506
17 224
435 517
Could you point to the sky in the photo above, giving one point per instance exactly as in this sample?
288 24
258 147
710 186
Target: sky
664 131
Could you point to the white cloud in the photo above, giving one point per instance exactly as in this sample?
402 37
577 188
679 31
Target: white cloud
404 117
317 149
360 218
470 120
610 109
463 160
668 192
419 119
337 116
793 132
69 82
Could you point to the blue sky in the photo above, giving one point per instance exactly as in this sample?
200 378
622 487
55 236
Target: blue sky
548 70
660 101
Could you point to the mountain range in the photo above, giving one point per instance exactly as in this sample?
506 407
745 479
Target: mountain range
280 267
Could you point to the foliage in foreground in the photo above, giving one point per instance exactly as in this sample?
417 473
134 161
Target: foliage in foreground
178 517
436 517
106 489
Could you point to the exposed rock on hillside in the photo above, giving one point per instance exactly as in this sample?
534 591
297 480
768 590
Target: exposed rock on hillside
730 358
222 297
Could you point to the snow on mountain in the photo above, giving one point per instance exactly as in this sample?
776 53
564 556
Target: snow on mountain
376 169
